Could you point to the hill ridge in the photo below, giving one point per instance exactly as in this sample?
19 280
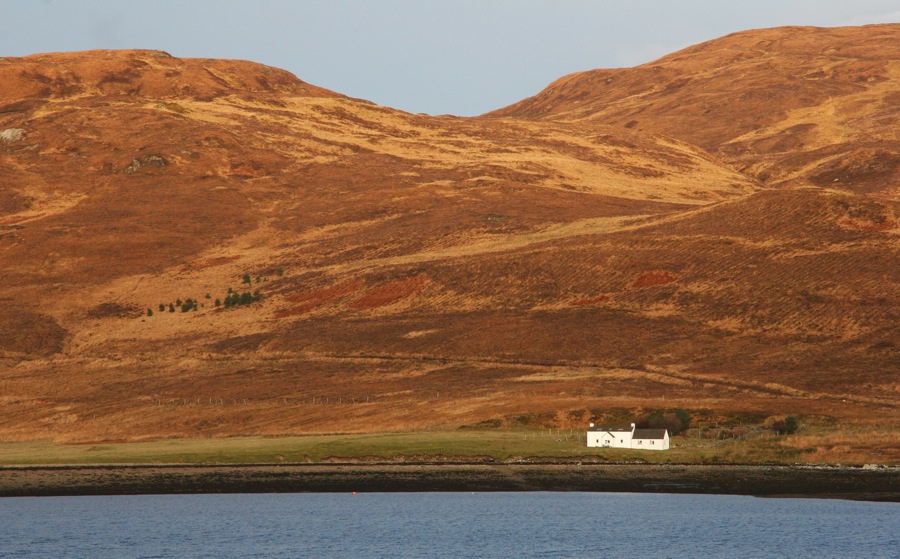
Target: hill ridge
761 114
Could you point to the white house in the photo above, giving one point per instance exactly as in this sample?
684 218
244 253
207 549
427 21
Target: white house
628 437
611 437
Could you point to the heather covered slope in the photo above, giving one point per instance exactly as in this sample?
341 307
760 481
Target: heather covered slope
792 105
414 271
111 175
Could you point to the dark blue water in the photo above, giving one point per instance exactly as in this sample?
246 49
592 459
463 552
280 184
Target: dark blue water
432 525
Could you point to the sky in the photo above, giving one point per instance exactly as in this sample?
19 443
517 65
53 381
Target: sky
461 57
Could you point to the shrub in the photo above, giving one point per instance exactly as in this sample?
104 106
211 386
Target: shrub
684 417
162 307
786 426
790 425
149 312
674 422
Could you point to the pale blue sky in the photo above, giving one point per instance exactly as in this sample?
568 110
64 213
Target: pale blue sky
461 57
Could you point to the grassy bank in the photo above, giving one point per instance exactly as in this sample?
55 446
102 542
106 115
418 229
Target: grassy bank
463 445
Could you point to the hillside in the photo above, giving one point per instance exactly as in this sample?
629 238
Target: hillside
788 106
541 265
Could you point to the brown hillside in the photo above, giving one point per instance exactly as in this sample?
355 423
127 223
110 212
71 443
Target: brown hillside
414 271
792 105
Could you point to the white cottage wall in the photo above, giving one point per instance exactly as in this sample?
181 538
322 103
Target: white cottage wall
623 437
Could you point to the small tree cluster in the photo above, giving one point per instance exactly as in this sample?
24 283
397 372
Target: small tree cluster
234 298
185 306
675 422
786 426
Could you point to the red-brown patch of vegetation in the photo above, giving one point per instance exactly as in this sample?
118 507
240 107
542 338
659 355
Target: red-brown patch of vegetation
389 293
650 279
310 300
867 226
864 214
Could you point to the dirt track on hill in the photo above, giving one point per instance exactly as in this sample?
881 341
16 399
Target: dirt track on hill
882 484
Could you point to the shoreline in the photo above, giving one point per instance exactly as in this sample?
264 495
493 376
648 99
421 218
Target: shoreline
880 484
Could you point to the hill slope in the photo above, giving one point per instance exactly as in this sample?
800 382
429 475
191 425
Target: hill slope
792 105
527 267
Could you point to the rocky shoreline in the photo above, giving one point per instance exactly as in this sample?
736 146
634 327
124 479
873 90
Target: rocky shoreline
878 484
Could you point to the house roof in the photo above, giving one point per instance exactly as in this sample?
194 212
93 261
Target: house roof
611 429
657 434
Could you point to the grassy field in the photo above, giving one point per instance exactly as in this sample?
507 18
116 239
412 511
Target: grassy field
437 446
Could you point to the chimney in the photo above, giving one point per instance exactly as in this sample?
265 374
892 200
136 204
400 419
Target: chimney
632 426
591 425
